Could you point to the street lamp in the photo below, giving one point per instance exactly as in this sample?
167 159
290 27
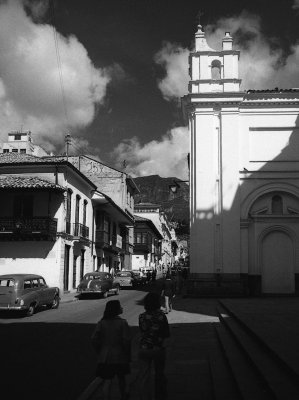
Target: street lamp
175 186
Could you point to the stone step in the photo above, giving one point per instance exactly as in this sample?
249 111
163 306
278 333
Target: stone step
223 383
280 383
249 383
283 357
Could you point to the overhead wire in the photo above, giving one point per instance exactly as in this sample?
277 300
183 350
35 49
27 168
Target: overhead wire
58 58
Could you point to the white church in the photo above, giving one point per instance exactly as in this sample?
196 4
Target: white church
244 179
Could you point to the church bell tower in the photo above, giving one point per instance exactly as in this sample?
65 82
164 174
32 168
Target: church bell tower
212 106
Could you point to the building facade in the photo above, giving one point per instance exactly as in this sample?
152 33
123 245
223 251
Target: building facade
153 212
147 244
46 217
244 179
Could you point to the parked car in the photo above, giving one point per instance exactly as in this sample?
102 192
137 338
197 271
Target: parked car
126 279
26 293
101 283
140 277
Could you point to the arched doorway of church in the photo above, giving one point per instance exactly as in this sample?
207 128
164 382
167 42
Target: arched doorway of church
277 263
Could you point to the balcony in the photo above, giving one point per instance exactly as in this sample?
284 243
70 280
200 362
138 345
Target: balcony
102 239
80 231
34 228
143 247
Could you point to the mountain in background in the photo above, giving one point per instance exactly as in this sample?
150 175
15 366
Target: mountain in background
155 189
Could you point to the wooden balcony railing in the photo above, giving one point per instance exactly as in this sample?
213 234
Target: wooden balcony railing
44 228
80 230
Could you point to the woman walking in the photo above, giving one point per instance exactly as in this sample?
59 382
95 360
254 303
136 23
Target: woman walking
154 330
112 342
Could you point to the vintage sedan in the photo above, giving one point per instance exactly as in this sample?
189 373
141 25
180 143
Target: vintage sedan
126 279
100 283
26 293
140 277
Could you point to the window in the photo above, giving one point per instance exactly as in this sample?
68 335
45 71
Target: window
7 283
84 211
77 210
18 137
35 283
68 211
14 150
277 205
23 151
42 282
27 284
216 70
5 150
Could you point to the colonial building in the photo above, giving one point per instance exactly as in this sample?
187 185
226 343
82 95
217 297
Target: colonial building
46 219
244 178
147 243
153 212
120 188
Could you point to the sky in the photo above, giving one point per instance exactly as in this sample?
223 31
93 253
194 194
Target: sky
111 73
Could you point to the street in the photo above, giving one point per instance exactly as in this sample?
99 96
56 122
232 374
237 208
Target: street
49 356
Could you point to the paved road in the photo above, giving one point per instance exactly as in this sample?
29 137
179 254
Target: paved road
49 356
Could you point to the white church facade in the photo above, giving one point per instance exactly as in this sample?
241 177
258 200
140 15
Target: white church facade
244 179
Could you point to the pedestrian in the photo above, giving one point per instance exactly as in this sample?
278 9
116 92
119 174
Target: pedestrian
112 342
154 275
154 329
168 291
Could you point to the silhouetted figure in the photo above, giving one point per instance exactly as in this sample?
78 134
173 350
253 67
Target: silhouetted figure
168 291
112 342
154 329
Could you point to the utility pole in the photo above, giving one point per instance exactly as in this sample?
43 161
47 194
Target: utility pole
67 140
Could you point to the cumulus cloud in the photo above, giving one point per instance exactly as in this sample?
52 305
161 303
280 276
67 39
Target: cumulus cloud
174 59
30 89
264 64
167 157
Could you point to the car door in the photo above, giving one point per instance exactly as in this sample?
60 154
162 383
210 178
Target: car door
46 294
30 294
109 281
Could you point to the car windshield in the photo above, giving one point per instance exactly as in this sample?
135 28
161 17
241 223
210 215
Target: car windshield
91 276
7 282
126 274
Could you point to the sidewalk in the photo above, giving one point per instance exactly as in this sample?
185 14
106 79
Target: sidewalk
68 297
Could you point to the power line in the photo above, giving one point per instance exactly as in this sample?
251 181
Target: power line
59 63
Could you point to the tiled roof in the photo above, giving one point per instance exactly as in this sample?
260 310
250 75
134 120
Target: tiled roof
141 219
14 158
276 90
21 182
149 205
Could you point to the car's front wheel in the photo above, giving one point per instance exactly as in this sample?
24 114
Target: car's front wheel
55 302
31 310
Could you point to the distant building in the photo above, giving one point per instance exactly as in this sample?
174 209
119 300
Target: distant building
244 179
21 142
153 212
147 243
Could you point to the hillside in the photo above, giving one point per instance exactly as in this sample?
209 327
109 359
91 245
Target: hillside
155 189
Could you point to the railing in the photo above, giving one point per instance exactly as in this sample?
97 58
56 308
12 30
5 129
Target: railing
146 247
26 228
81 230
